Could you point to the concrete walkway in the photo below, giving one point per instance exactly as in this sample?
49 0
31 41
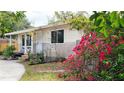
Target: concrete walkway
11 70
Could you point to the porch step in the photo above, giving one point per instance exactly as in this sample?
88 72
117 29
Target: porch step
24 57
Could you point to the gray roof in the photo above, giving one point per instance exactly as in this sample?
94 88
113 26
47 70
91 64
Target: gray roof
34 29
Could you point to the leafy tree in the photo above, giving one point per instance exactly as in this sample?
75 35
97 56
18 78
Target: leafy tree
111 26
108 23
61 17
78 20
12 21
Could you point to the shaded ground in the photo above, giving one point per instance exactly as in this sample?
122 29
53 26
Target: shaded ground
54 66
11 70
42 72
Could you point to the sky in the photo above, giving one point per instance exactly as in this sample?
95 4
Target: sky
39 18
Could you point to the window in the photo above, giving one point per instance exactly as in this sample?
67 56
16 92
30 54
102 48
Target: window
28 41
54 37
23 40
57 36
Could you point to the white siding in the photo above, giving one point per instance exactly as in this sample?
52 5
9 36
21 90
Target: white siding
46 36
69 35
43 41
39 39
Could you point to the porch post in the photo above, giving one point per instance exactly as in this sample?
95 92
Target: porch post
25 46
19 43
32 36
10 40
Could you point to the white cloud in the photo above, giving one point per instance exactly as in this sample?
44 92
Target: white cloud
39 18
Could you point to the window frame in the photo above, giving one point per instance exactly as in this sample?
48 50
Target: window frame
28 41
57 35
23 40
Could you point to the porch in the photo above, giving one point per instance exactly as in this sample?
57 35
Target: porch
25 40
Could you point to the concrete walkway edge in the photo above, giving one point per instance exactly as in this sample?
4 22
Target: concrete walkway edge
11 70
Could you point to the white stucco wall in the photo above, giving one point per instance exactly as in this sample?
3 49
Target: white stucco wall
44 36
43 41
38 41
71 35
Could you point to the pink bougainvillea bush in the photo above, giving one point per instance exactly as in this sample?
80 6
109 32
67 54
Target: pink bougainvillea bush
91 54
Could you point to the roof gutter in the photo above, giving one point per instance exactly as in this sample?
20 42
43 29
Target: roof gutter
34 29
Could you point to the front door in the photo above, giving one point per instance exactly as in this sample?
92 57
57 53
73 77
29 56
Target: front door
26 43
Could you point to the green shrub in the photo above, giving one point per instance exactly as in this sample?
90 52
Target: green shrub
1 53
115 70
36 58
108 58
109 25
9 51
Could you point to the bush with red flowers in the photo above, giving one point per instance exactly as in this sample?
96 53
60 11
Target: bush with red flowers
97 58
114 66
91 54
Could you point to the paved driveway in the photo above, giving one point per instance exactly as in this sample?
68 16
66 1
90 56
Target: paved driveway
11 70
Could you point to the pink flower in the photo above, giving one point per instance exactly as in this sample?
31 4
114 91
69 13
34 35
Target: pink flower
70 57
64 61
79 63
86 43
91 47
113 43
77 52
93 36
102 56
97 68
109 49
77 49
90 78
97 44
82 40
87 36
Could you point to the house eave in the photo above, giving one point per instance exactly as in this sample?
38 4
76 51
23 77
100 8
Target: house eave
22 31
34 29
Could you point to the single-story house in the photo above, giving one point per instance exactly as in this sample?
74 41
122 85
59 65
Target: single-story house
56 40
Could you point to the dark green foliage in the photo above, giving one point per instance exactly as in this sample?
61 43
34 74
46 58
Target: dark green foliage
1 53
111 24
9 51
12 21
36 58
108 23
116 70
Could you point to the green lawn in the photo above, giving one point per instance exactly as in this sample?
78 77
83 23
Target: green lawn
33 72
